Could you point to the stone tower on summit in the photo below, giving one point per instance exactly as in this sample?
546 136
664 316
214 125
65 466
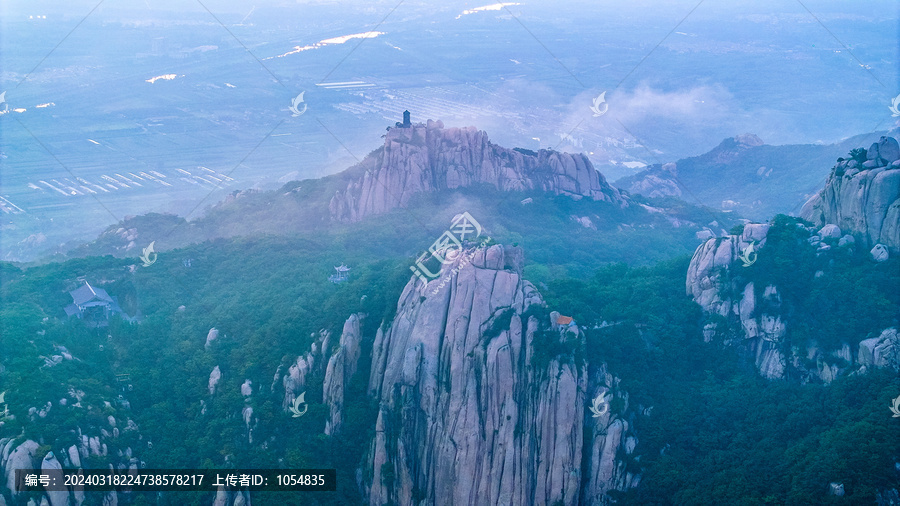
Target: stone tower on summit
406 123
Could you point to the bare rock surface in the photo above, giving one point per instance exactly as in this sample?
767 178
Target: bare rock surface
428 157
470 414
863 202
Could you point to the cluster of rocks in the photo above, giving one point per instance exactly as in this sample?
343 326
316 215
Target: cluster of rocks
881 154
863 199
128 236
99 443
830 236
711 283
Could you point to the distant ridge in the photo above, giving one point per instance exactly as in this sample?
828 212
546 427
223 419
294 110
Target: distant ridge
745 175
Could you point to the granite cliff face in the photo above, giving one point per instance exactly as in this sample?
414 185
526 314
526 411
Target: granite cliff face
427 158
473 411
341 368
863 197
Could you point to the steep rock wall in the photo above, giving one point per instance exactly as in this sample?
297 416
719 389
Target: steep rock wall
472 413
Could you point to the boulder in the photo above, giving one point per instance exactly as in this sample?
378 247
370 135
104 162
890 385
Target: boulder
211 336
836 489
872 153
888 149
830 231
879 253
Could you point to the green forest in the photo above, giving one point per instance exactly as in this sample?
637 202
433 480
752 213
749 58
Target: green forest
717 434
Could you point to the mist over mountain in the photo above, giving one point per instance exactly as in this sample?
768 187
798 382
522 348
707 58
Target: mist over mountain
418 180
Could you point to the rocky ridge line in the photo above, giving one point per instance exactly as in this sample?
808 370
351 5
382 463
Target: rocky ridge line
428 158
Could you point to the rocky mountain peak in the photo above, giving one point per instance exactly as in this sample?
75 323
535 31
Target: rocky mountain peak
470 411
426 157
748 140
730 148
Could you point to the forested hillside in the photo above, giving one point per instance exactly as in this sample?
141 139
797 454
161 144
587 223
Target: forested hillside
714 431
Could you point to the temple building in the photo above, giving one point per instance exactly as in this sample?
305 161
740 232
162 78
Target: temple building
340 275
93 305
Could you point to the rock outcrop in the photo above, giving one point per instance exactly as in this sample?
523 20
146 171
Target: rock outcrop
232 498
338 366
214 377
881 351
474 409
211 336
718 289
294 380
863 198
428 158
341 368
752 317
